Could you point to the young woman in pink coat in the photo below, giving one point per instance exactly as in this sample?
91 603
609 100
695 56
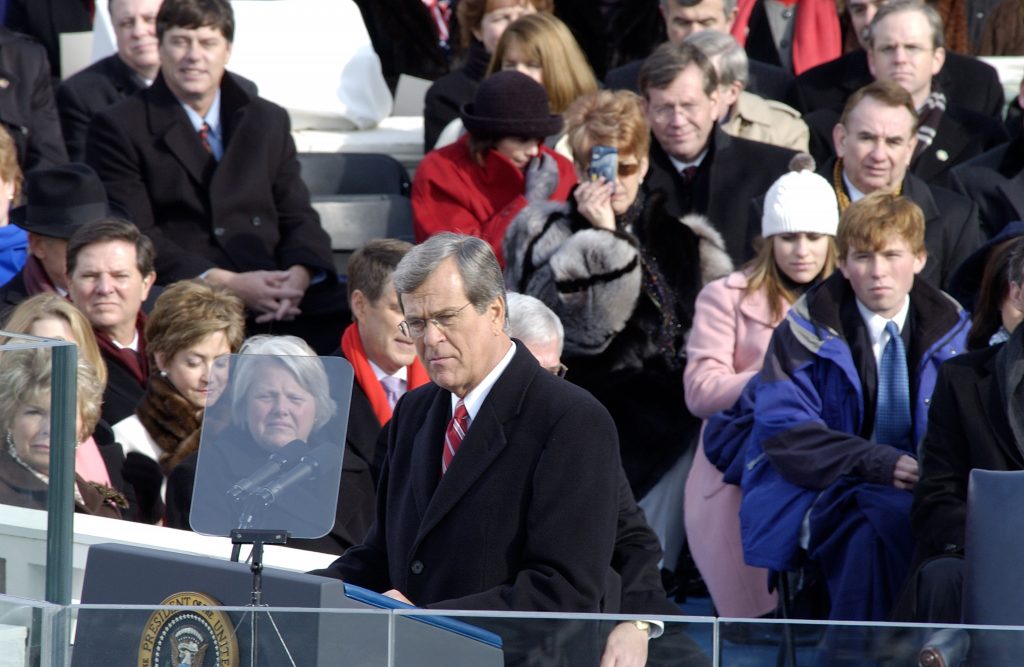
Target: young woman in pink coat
732 324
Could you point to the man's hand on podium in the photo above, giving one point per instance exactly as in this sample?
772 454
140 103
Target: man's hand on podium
397 595
626 647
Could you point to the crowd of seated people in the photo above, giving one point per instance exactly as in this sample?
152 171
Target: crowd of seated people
766 335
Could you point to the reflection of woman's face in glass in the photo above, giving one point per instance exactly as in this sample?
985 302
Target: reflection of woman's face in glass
279 409
30 431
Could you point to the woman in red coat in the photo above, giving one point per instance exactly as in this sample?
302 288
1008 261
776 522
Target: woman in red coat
479 183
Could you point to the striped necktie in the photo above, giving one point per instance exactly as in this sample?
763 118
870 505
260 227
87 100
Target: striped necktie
454 435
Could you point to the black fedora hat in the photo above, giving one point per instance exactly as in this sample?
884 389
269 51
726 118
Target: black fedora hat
510 104
60 200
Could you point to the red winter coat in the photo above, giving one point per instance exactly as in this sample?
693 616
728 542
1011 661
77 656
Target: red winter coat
452 193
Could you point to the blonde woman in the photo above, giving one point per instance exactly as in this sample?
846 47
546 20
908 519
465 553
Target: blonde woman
49 315
25 418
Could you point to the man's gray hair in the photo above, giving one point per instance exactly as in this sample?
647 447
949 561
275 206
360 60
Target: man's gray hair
727 5
295 355
531 321
474 259
895 7
732 59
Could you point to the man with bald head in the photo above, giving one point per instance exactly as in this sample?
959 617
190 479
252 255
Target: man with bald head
110 80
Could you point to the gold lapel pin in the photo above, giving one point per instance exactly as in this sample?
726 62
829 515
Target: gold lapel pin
942 155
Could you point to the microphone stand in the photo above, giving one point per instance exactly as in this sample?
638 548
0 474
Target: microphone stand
257 538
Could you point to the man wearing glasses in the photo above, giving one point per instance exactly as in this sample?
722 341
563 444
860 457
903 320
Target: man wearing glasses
694 164
500 485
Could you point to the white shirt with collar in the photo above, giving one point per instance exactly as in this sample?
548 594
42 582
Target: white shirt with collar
133 346
478 394
212 118
875 324
402 374
680 165
855 194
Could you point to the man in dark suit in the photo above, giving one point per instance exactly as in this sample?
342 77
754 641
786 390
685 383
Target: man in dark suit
966 81
875 141
500 483
974 422
113 78
698 167
110 273
209 171
385 365
995 182
684 17
27 109
60 200
905 46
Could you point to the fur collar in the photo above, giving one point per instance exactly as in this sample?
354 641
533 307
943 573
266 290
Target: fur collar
172 422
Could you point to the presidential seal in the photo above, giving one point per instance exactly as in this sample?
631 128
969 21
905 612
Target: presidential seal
192 637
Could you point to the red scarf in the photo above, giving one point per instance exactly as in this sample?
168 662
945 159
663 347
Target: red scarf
136 363
352 348
816 35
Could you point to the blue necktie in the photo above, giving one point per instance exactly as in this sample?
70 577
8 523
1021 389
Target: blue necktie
892 418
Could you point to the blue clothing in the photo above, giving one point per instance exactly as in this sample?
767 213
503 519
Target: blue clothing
808 445
13 251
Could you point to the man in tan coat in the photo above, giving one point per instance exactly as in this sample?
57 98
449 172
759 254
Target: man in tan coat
742 113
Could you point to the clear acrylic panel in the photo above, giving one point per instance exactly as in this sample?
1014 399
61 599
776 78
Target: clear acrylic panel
544 640
27 631
746 643
38 389
272 445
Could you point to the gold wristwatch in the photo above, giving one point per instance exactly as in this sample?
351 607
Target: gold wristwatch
643 626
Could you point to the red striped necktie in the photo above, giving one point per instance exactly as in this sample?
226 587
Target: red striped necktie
454 435
204 138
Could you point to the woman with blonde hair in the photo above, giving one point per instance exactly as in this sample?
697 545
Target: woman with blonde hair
49 315
25 417
542 47
13 239
733 322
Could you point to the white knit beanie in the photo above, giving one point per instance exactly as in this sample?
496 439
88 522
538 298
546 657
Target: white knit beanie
800 201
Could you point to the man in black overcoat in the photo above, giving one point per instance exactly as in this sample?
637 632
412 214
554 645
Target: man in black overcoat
500 480
208 170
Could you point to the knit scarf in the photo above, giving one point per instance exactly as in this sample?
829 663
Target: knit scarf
840 187
352 348
171 420
817 38
135 363
931 116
